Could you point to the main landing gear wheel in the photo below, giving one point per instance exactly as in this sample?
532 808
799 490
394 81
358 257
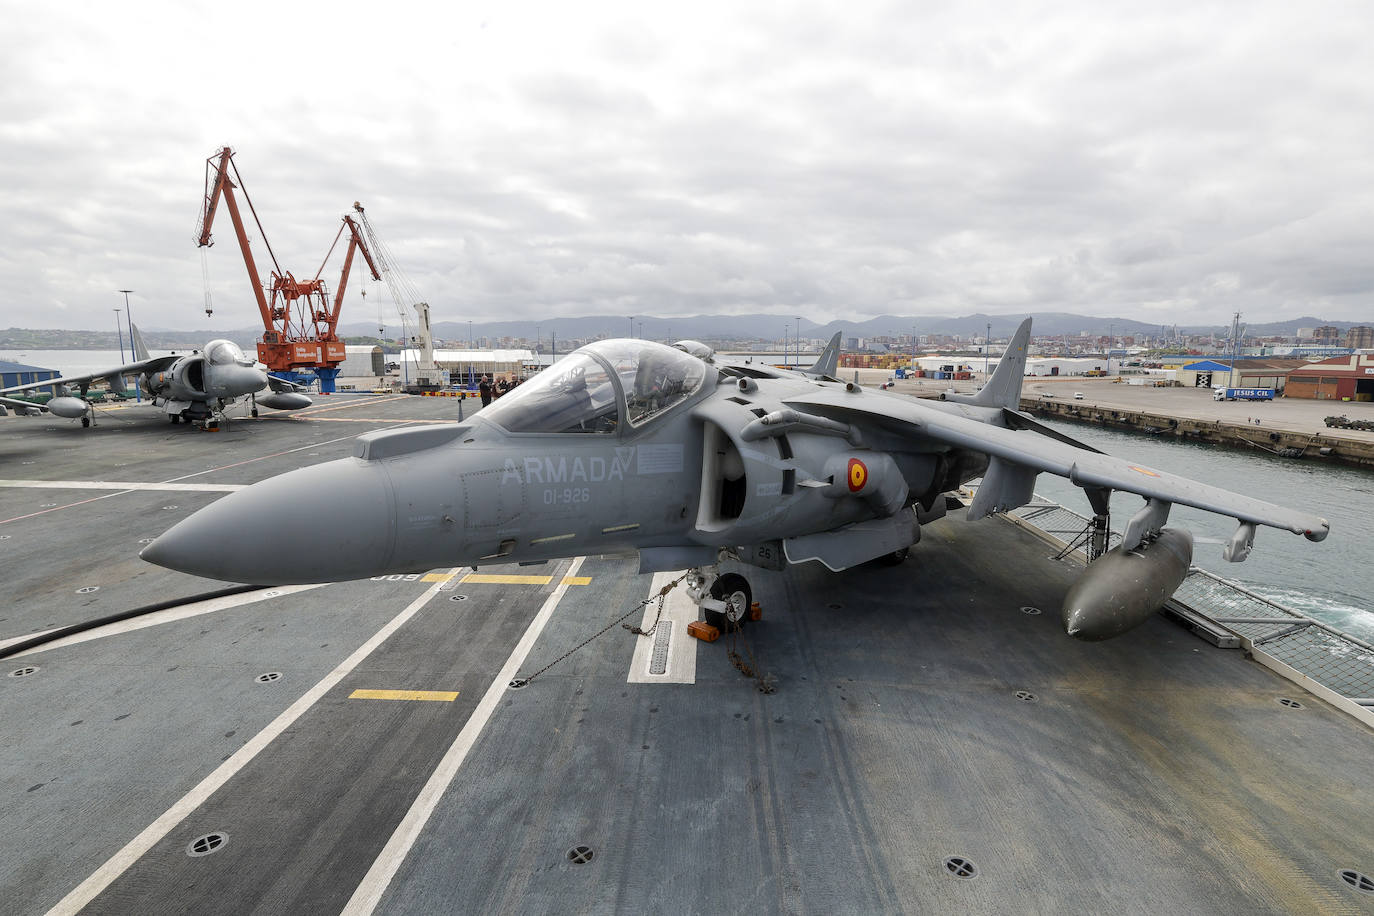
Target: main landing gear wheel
733 589
85 421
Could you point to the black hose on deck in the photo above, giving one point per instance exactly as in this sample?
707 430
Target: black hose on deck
60 632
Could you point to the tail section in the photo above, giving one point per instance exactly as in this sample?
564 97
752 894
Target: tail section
829 363
140 348
1004 388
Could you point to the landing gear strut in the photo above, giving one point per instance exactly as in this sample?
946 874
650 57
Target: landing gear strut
724 600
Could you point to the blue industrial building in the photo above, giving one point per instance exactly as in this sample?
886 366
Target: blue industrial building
12 374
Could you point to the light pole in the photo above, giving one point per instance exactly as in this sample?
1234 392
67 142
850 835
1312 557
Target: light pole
469 333
799 340
987 346
120 331
632 326
128 313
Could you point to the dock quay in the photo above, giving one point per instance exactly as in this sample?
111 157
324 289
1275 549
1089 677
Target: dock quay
1334 445
1289 427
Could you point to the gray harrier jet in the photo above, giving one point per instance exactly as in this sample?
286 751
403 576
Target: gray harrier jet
193 387
628 444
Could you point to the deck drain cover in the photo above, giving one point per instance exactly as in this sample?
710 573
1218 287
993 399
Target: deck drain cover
1362 883
267 677
1291 704
169 507
87 589
272 593
1027 609
658 662
457 597
519 683
23 672
960 867
580 855
204 845
145 540
1026 696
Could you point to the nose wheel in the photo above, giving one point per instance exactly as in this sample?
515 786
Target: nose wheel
724 599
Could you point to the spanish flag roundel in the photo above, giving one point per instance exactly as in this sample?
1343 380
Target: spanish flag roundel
858 475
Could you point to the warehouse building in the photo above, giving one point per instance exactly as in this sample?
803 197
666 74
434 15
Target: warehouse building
363 360
12 374
1340 378
1245 373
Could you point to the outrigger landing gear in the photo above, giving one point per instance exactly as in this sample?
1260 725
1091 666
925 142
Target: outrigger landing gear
724 600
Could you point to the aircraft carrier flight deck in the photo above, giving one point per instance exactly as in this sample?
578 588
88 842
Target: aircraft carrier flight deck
927 739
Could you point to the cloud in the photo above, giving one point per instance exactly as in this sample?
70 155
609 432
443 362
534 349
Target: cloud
524 160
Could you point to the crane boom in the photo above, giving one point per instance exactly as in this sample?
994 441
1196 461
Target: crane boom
299 324
223 187
427 374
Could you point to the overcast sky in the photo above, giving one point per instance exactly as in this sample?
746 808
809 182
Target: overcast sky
1172 162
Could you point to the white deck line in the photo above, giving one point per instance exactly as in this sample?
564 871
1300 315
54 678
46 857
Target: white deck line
682 651
121 485
388 862
122 860
156 618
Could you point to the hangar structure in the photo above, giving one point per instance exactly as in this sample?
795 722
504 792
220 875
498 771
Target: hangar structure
1343 378
1242 373
12 374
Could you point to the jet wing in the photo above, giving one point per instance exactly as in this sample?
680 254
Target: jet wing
155 364
1029 449
282 385
20 405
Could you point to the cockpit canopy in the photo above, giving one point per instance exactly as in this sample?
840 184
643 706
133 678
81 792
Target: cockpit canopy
225 353
599 387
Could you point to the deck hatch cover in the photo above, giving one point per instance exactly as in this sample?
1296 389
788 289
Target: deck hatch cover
1362 883
267 677
204 845
24 672
580 855
960 867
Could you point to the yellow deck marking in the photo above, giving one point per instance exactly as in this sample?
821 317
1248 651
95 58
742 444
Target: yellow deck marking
494 579
439 696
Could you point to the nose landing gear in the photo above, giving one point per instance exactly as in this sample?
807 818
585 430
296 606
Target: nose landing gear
724 600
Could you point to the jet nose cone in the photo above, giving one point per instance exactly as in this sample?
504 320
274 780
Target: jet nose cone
267 533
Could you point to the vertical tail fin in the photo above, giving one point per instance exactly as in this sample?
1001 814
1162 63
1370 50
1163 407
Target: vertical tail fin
1004 388
139 347
829 363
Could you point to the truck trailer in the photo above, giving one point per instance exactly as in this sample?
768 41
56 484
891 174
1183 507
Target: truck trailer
1242 394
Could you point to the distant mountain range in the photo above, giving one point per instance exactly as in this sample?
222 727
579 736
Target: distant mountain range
703 327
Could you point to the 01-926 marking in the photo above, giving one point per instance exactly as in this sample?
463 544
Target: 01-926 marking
568 496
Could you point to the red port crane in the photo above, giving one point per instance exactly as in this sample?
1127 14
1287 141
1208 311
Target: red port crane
299 323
